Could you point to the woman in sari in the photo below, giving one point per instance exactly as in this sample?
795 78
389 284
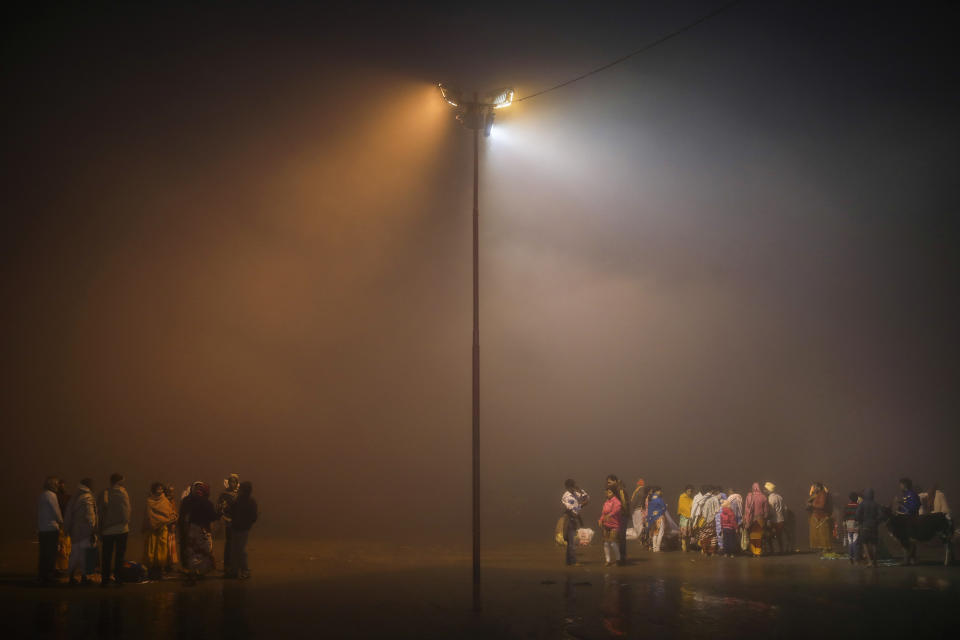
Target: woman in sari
656 509
62 562
821 525
684 506
755 518
199 544
157 518
173 545
707 537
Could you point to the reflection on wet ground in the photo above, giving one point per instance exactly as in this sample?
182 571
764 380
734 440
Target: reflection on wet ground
526 595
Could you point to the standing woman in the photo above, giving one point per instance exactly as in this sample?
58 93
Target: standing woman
755 518
202 513
637 501
821 525
63 542
708 531
157 518
656 509
173 546
616 485
610 524
684 505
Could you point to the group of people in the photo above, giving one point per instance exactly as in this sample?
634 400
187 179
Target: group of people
724 522
862 516
79 532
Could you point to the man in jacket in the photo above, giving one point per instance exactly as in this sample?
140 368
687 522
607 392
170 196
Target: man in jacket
49 522
243 513
80 523
114 528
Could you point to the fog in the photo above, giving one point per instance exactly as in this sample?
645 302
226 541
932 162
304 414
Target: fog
240 242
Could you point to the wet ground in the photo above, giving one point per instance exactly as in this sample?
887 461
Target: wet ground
353 589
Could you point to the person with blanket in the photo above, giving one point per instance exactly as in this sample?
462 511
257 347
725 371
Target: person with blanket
157 518
755 518
656 510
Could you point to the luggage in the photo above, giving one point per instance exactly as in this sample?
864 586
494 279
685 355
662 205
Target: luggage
584 536
132 572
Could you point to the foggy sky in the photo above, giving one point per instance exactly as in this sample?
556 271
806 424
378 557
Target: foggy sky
238 240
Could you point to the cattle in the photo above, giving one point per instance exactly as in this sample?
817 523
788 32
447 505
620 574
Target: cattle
909 530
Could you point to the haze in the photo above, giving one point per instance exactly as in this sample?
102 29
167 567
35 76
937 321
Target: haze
241 243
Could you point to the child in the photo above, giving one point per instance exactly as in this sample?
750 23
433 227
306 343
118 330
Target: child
728 524
610 526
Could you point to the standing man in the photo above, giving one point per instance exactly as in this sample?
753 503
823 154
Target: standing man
114 528
777 519
573 500
909 501
243 513
49 523
81 525
614 484
227 497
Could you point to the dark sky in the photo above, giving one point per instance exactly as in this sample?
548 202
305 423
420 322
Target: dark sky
237 239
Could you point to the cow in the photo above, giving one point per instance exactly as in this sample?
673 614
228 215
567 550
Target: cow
909 530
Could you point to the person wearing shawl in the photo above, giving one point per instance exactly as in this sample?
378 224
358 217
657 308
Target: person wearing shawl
820 507
63 541
755 518
226 499
868 517
684 505
722 497
696 513
610 524
173 544
157 518
656 509
200 514
81 522
638 501
183 523
728 526
707 538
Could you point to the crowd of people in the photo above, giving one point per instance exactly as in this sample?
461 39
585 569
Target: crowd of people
81 533
717 521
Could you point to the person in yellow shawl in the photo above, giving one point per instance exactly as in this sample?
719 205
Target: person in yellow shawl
684 505
157 518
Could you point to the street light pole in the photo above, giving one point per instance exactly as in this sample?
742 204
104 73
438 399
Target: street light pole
476 367
476 115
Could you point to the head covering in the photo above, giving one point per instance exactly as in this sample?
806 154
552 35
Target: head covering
201 489
640 482
756 505
232 476
769 486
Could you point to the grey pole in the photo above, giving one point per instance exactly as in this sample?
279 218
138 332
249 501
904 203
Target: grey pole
476 366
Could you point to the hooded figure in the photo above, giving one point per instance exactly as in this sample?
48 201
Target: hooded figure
869 516
80 522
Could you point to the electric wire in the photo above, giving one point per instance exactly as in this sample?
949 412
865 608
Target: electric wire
636 52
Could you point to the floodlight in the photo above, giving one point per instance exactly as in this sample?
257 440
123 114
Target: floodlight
451 95
502 98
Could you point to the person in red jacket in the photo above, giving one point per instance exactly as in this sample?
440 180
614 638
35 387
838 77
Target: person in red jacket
729 527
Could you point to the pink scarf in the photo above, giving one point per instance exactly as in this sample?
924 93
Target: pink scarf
756 507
